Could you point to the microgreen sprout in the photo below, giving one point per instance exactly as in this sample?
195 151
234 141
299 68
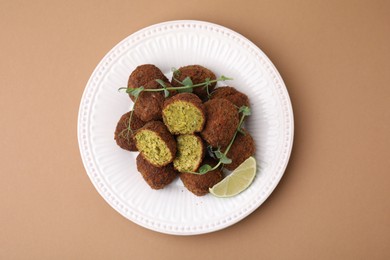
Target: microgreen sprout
186 86
162 83
176 72
128 129
218 154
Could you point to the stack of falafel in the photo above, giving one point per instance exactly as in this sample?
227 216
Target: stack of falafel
172 133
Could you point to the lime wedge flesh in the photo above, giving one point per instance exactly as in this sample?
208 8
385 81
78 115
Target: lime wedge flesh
237 181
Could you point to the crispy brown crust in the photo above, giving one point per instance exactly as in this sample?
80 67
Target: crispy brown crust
200 184
156 177
198 74
142 75
238 98
242 148
149 104
187 97
161 130
222 121
203 152
124 138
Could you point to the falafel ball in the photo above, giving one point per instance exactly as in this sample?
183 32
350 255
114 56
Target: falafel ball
238 98
184 113
149 104
198 74
123 136
156 143
156 177
143 74
200 184
242 148
222 121
190 153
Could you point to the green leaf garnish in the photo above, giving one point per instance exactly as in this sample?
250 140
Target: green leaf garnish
223 78
135 91
164 85
218 154
188 86
205 168
187 82
166 93
225 160
161 82
123 88
210 151
176 72
246 111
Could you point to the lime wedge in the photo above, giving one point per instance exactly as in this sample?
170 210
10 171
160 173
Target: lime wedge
237 181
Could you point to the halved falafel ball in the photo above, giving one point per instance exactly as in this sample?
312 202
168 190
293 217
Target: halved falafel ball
123 136
149 104
222 121
190 153
198 74
184 113
156 177
200 184
155 143
143 74
238 98
242 148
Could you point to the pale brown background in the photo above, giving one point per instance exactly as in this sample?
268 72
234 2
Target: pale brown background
333 201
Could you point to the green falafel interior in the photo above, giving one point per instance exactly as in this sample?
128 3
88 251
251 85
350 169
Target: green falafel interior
153 148
183 117
190 151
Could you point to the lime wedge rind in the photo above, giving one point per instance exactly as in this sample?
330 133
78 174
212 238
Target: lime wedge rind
238 181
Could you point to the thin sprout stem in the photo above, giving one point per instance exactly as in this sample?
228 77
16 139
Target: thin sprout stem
235 134
227 149
208 92
175 79
178 88
202 84
131 116
216 166
169 88
212 169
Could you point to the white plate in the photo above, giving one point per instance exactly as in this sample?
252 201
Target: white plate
174 210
